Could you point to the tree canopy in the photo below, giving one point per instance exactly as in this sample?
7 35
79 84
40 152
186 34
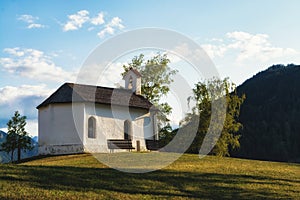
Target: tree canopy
206 93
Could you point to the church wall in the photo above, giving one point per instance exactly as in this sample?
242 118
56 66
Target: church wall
63 129
110 125
59 133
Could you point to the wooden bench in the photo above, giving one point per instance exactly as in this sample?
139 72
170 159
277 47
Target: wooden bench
152 145
119 144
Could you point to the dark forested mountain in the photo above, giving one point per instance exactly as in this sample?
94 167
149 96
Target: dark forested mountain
271 115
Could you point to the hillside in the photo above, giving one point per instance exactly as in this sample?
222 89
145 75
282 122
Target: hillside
83 177
270 115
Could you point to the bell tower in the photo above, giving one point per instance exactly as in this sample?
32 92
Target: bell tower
133 81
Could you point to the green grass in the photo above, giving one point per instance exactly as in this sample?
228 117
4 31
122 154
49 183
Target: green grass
83 177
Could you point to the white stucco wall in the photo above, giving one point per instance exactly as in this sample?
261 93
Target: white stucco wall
58 133
110 125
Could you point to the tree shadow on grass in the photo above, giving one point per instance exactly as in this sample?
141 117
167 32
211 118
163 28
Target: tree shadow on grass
159 183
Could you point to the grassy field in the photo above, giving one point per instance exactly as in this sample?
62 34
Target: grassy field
83 177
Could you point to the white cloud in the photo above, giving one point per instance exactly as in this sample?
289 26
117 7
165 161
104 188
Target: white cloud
10 93
108 77
23 98
240 55
27 18
115 23
256 46
247 47
214 50
76 20
31 21
14 51
111 77
106 30
99 19
30 26
34 64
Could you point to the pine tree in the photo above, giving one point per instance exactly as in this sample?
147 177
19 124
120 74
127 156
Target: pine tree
17 137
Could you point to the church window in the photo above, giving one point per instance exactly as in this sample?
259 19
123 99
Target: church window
92 127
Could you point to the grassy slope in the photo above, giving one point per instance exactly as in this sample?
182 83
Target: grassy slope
83 177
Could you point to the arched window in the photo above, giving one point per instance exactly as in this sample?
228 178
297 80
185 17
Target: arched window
127 130
92 127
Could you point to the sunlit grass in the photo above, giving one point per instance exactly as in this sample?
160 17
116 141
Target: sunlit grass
84 177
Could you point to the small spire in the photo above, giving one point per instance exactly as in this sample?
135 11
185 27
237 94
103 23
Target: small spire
133 80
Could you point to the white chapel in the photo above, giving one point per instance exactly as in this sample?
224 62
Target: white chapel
80 118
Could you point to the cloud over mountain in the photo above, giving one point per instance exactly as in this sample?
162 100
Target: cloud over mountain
23 98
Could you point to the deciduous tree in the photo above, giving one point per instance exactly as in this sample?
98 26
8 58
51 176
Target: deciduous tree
156 80
204 94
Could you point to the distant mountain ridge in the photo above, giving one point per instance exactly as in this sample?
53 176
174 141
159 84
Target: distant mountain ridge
2 134
270 115
35 138
4 157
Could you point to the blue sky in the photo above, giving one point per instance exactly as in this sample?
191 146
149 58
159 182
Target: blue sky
44 43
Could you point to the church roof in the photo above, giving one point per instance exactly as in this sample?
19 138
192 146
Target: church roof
136 72
71 92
